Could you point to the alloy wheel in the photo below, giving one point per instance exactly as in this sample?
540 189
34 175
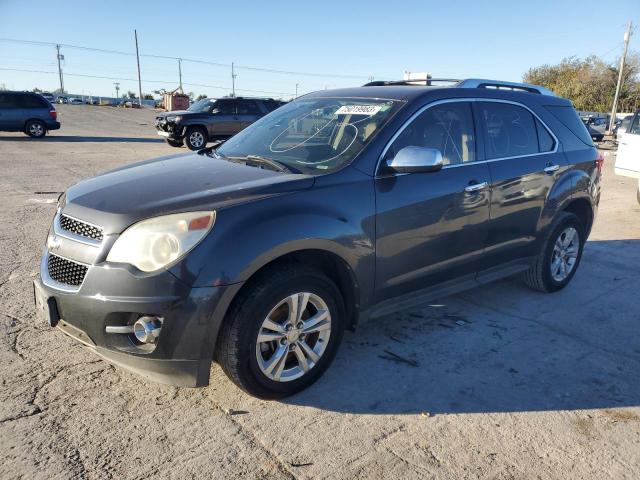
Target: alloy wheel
293 337
565 254
36 130
196 139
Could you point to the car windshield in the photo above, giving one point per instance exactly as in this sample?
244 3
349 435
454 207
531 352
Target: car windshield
202 106
313 135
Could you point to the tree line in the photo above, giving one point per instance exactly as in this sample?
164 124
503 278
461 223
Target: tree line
590 83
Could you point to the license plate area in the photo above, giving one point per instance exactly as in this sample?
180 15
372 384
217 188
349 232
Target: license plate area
46 306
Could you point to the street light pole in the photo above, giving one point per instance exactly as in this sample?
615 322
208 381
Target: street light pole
180 73
60 57
138 60
233 81
627 35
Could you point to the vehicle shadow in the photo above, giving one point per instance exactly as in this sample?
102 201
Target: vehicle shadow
499 348
83 138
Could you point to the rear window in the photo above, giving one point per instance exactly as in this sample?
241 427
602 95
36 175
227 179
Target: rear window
30 101
545 140
570 119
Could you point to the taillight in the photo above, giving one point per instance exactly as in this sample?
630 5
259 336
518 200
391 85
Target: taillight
53 114
599 163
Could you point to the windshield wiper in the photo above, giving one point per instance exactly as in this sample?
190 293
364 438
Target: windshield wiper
259 160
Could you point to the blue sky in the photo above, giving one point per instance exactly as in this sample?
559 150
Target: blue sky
460 39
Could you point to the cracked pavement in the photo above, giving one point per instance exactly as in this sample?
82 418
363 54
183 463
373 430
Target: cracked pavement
509 383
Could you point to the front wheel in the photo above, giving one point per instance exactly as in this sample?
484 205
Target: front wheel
195 138
282 333
35 129
560 255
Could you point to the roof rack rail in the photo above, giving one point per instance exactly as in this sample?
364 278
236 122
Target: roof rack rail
468 83
500 85
429 82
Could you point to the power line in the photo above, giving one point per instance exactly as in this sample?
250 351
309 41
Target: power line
217 87
204 62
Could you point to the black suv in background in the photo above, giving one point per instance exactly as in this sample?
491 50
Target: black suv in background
211 119
27 112
338 207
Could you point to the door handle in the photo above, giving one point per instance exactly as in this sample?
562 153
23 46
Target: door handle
475 187
551 168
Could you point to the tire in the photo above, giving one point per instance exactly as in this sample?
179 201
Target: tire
195 138
245 360
175 143
540 276
35 129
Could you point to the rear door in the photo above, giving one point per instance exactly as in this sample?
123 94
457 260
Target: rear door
628 156
248 112
431 227
524 162
12 114
224 117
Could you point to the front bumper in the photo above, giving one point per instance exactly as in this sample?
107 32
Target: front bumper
117 295
168 130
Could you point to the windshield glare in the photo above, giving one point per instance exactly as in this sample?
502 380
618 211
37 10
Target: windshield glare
313 135
201 106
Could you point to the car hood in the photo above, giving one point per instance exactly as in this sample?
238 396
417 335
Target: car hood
174 113
118 198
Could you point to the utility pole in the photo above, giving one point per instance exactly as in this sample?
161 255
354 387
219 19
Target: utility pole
627 36
60 57
180 73
117 85
233 81
135 32
296 91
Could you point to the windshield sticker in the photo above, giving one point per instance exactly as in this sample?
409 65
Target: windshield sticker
358 110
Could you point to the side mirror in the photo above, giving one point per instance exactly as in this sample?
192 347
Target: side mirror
416 160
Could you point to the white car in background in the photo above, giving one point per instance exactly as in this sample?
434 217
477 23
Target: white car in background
75 101
628 156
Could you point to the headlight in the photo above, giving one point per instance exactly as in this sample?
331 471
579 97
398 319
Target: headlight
174 118
155 243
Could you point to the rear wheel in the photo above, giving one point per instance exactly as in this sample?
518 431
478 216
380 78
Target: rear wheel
560 255
282 333
175 143
195 138
35 129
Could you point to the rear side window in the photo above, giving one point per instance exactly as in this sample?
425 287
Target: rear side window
545 140
447 127
30 101
510 130
570 119
248 107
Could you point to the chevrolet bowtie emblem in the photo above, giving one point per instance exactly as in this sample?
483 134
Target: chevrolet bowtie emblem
54 242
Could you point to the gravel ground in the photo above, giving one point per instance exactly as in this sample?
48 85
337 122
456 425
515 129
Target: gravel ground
509 383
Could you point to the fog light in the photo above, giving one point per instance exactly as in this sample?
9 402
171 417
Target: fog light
147 329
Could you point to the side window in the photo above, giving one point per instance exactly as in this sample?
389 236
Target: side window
545 140
635 126
31 101
225 107
447 127
9 101
248 107
510 130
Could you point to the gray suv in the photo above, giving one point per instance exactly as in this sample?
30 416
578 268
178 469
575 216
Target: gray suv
336 208
27 112
210 119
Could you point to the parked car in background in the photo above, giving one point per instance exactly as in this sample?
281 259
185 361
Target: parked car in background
628 155
338 207
48 97
75 101
27 112
62 99
210 119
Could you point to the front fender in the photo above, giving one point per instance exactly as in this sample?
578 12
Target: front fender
331 216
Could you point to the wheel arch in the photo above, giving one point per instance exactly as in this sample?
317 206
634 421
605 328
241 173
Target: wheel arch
581 208
336 268
34 119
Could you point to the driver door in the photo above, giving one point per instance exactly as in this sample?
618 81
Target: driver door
223 118
432 227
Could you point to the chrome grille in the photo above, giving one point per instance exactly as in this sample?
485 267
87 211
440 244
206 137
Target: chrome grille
65 271
80 228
